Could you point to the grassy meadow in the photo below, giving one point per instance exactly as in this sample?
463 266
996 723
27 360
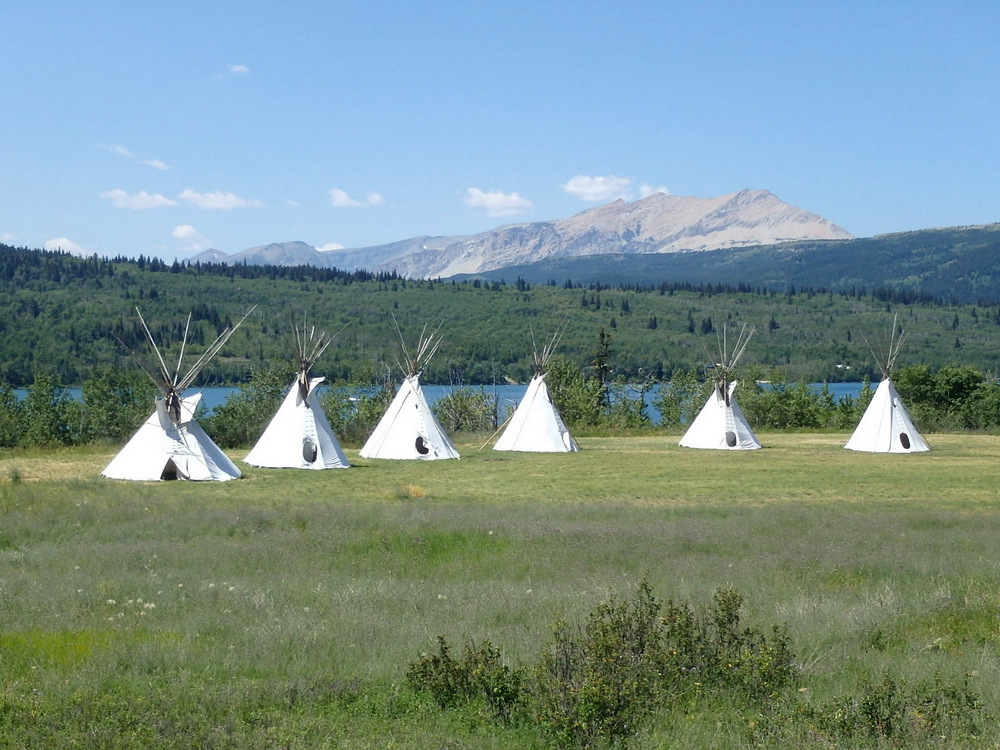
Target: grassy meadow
282 610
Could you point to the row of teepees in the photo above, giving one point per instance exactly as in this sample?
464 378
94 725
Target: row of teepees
171 444
885 427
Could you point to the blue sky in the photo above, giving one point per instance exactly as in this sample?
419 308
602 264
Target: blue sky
168 128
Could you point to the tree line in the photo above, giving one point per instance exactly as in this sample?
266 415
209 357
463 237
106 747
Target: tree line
64 316
115 402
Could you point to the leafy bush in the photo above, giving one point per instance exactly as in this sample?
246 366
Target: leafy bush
597 683
600 682
887 714
679 399
626 408
955 397
242 419
466 409
48 416
709 651
578 397
480 673
780 405
10 417
354 410
116 401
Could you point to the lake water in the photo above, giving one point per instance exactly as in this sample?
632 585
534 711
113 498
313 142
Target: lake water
507 395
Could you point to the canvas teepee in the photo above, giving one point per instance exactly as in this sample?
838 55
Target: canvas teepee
171 444
536 425
720 425
299 435
408 429
886 426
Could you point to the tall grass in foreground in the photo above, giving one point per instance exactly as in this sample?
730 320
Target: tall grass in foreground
283 609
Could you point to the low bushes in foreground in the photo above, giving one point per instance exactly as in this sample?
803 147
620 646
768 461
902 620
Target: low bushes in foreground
599 684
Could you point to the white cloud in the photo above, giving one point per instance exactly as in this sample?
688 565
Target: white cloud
595 189
64 244
646 190
233 70
7 238
497 203
141 200
340 199
129 154
120 150
193 241
217 201
329 247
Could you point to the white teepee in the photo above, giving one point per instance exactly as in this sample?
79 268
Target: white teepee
720 425
408 429
171 444
299 435
536 425
886 426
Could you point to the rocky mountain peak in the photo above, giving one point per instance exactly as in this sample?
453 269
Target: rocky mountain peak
659 223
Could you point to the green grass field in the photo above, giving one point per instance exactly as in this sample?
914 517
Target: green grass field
282 610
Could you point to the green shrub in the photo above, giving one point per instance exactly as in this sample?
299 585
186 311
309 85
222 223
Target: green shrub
597 683
116 401
578 397
709 652
481 673
679 399
467 409
354 411
10 417
247 411
600 682
887 714
48 415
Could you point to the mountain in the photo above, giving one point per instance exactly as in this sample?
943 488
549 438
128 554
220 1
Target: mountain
956 263
275 254
660 223
210 256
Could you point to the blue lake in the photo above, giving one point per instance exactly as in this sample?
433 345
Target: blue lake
507 395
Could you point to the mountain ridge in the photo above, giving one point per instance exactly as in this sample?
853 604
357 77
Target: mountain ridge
657 224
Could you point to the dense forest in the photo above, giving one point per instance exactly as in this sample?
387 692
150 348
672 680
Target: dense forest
62 316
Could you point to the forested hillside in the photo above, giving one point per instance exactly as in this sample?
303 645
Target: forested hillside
61 316
961 264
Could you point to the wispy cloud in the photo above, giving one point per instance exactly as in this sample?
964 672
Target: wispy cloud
64 244
139 201
329 247
340 199
7 238
595 189
236 69
646 190
218 201
120 150
192 241
497 203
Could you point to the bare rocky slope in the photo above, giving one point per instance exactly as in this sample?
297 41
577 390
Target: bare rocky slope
660 223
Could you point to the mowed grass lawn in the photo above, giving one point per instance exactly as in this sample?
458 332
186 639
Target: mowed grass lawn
283 609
